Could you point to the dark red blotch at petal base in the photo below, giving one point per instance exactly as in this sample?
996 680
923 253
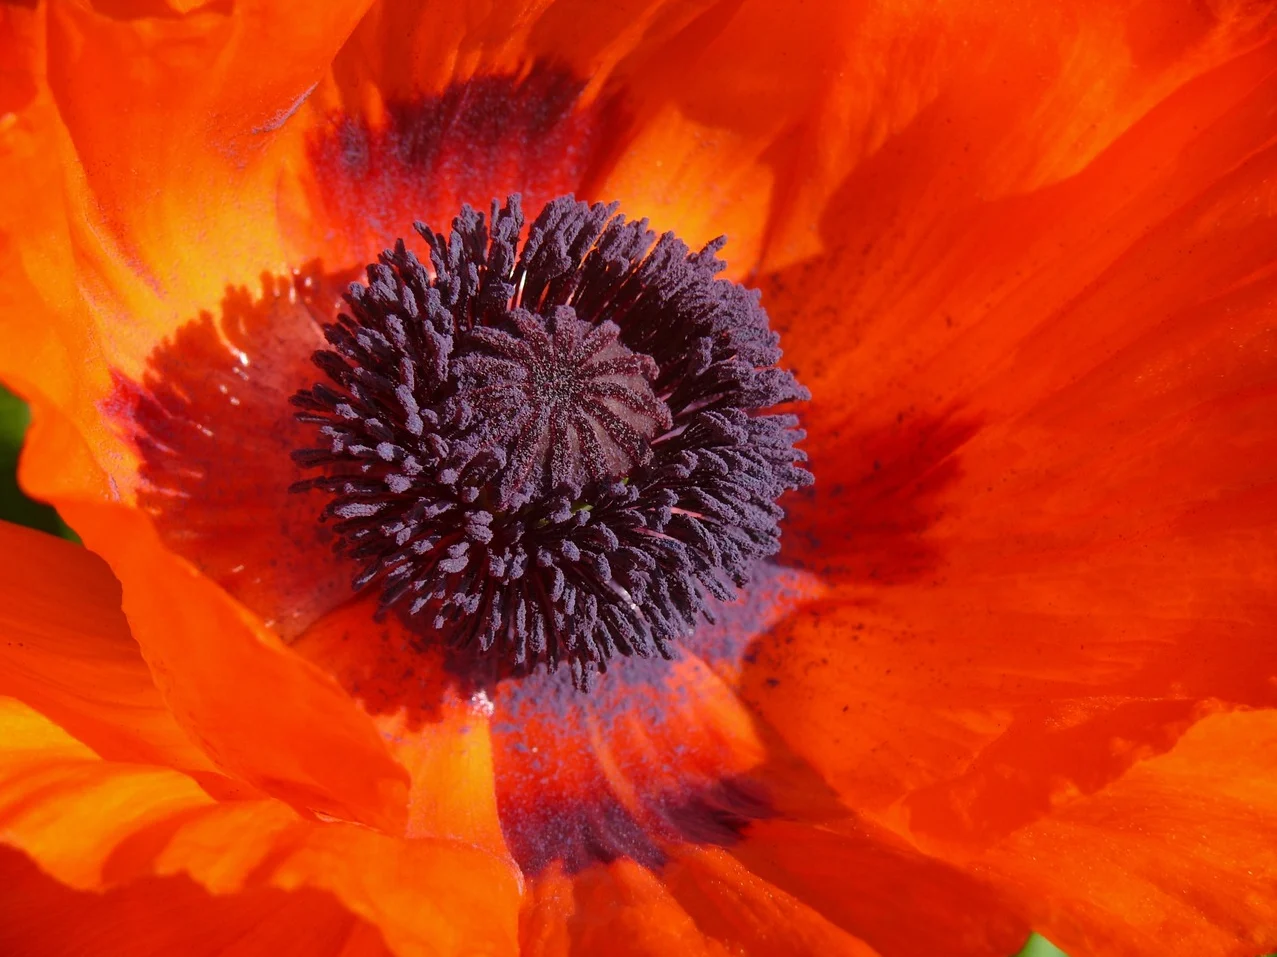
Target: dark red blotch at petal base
880 491
630 771
212 425
642 762
211 418
489 136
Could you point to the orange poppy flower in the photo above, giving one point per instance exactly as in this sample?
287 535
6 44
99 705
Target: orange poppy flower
1012 666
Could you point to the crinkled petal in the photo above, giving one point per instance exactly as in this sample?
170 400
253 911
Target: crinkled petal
160 917
94 824
67 652
1179 853
262 713
624 909
435 732
897 899
1049 503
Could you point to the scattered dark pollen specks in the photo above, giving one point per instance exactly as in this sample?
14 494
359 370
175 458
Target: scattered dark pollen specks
551 452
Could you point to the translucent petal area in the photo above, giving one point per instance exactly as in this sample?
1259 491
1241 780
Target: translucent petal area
432 104
94 825
262 714
758 112
159 917
218 89
897 899
662 769
1047 510
702 905
786 887
211 425
67 652
1178 853
955 304
658 754
637 800
435 731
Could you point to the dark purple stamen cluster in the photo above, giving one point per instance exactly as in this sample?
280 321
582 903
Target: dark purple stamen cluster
553 453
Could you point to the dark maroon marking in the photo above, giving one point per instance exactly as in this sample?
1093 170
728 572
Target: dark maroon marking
487 136
366 176
880 491
211 422
553 795
556 803
576 833
216 473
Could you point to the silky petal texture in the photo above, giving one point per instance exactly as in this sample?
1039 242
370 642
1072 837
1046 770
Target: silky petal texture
435 734
67 652
1078 445
297 735
786 101
218 83
128 822
656 767
984 299
874 884
785 889
699 908
1180 851
243 733
159 917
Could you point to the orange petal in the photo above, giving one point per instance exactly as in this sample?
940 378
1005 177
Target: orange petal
436 733
369 175
989 106
261 713
660 753
68 653
426 895
1175 858
21 57
701 902
870 883
620 908
433 104
211 426
159 917
94 824
297 735
68 808
1047 501
216 84
745 914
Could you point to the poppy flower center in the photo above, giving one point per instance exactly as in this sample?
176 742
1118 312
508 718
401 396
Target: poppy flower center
552 451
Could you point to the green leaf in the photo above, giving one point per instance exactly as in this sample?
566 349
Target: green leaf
14 505
1039 946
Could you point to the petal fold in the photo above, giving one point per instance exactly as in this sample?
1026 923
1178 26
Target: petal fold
160 917
67 652
95 825
1176 856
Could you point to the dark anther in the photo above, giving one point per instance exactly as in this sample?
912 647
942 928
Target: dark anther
552 451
